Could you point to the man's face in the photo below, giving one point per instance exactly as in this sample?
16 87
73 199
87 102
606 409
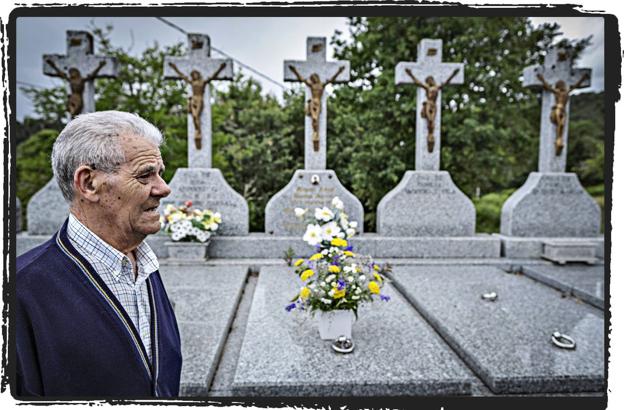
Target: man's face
131 195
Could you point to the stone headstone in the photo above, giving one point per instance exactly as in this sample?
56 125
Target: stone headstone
301 192
207 188
200 183
552 203
47 210
507 343
314 186
427 202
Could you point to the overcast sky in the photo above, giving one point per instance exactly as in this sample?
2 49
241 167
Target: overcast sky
262 43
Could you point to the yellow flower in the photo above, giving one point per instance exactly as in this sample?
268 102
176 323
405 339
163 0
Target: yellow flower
333 268
339 293
373 287
316 257
307 274
339 242
376 267
298 262
305 293
379 279
348 253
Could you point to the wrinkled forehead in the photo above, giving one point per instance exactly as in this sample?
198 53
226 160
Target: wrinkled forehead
136 147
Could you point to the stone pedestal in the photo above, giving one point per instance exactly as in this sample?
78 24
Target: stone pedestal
47 210
308 189
551 205
426 203
207 188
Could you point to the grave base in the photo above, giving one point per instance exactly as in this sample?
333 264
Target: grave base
575 248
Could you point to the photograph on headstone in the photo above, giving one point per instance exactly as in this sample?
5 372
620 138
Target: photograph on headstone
405 207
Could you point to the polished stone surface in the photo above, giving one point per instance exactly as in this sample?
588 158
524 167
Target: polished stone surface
585 282
205 301
564 252
396 352
507 342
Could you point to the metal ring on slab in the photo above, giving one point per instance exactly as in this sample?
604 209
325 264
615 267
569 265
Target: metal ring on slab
563 341
490 296
343 345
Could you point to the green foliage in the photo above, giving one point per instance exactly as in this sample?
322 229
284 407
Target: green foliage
586 137
489 210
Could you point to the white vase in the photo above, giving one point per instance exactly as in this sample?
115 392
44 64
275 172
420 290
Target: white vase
335 323
188 251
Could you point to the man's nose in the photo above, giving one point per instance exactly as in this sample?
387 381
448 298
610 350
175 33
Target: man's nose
161 189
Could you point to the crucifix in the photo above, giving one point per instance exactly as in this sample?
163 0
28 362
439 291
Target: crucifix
430 75
316 73
198 70
556 78
79 68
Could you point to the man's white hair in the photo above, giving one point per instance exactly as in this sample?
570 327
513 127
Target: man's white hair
93 139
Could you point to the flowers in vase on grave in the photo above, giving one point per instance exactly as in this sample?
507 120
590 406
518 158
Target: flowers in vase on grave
335 277
186 224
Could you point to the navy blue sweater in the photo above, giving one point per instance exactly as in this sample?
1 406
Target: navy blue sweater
74 338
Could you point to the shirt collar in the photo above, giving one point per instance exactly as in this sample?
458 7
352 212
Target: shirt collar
93 247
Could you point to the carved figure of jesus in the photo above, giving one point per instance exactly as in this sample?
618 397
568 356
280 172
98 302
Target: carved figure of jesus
558 111
429 106
196 100
76 85
313 105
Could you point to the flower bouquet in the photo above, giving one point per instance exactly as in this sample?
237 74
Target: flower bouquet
335 279
190 230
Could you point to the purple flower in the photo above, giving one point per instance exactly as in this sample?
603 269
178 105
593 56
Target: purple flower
349 248
290 307
341 284
384 297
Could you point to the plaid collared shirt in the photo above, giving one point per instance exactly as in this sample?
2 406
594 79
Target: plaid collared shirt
115 269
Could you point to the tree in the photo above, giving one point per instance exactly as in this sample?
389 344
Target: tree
490 124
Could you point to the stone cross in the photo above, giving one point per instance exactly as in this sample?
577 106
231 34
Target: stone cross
431 75
197 69
79 83
316 73
556 78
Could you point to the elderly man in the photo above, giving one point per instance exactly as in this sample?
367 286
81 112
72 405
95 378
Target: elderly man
92 317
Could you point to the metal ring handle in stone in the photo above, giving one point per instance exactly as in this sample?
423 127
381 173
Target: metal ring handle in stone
563 341
491 296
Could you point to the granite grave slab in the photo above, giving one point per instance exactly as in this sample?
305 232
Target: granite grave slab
584 282
508 342
205 300
396 352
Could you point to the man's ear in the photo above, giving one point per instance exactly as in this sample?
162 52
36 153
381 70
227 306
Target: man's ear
86 183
